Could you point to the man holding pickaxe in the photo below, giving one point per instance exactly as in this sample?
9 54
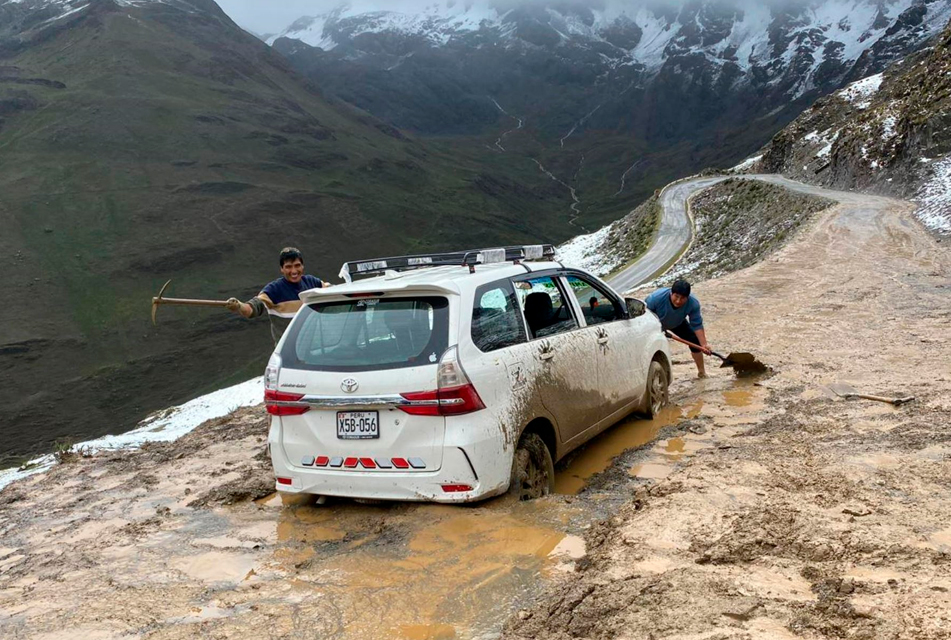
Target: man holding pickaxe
280 299
679 313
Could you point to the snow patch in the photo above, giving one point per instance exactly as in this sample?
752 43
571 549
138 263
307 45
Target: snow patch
164 426
934 197
585 252
748 163
860 92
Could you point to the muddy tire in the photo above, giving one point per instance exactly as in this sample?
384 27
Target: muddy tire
533 472
656 394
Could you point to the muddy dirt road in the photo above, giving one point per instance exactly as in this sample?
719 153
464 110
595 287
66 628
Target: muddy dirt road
746 511
187 539
821 517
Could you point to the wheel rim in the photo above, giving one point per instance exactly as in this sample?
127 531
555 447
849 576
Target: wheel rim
658 392
532 481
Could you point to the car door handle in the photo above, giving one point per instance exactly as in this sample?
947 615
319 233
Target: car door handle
546 355
603 340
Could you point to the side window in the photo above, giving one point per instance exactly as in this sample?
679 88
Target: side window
595 306
496 320
546 311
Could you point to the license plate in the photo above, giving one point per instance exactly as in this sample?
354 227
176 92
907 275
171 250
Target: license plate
358 425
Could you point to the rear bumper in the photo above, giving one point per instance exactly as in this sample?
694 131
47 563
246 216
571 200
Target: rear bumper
461 462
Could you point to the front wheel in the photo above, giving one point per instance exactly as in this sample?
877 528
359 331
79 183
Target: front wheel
656 394
533 472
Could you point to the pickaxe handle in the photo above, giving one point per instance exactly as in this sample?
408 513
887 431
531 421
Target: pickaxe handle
191 302
160 299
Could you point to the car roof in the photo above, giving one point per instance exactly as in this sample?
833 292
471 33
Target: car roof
449 279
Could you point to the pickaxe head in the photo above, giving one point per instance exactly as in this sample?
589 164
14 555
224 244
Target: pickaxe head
157 300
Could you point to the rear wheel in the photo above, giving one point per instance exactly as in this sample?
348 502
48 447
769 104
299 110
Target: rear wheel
533 472
656 392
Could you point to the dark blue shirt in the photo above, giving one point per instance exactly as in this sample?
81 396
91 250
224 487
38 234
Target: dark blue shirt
283 297
670 318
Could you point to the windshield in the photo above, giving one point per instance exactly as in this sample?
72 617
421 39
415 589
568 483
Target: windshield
368 334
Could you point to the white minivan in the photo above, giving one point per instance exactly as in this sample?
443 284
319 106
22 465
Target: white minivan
455 377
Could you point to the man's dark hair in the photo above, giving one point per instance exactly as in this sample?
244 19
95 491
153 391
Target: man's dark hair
681 287
290 254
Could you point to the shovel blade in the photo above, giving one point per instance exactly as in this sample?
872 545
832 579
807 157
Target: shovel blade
744 363
842 389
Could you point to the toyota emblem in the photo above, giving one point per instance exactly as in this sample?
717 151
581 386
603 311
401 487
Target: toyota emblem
349 385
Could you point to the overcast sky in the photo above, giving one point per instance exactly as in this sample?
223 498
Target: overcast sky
271 16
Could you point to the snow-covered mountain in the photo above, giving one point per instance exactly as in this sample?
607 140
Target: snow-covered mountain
889 132
805 43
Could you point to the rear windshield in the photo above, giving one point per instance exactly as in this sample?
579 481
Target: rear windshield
368 334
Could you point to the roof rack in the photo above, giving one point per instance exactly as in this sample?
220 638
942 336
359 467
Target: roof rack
468 259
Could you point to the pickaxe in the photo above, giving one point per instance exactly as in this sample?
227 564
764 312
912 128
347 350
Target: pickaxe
157 300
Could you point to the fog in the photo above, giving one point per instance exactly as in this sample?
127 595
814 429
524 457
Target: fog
273 16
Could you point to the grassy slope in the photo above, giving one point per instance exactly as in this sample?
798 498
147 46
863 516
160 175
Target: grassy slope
181 147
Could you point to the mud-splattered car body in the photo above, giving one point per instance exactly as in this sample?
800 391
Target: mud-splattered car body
418 385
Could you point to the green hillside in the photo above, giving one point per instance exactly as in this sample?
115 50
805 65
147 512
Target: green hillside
160 141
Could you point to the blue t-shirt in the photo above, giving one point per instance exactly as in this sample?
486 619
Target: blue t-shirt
283 297
670 318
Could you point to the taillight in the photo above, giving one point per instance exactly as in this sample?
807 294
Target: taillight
454 396
272 372
272 397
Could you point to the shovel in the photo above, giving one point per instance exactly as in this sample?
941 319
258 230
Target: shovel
157 300
847 391
742 363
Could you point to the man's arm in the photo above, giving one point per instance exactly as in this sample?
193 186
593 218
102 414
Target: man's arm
696 323
702 337
252 308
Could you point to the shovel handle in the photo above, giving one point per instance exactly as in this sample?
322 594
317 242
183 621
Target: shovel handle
895 401
690 344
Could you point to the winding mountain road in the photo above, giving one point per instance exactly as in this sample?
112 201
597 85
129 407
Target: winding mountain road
676 229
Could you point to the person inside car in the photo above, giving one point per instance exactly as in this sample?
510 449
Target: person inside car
280 299
679 313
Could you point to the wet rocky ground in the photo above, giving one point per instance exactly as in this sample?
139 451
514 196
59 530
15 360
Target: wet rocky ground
764 508
819 517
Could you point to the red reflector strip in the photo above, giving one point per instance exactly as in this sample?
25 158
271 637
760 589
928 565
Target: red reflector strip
456 488
350 463
285 481
321 461
400 463
368 463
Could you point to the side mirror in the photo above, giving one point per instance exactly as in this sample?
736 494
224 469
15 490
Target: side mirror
635 308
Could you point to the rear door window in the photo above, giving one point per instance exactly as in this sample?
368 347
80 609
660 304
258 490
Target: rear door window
496 317
596 306
546 311
368 334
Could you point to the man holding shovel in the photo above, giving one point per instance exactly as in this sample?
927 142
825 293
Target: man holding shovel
280 299
679 313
